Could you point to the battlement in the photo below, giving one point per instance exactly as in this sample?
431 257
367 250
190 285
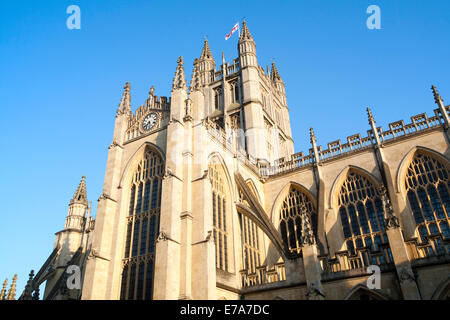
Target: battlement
153 103
434 250
336 149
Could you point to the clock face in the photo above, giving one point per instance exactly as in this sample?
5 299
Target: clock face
149 121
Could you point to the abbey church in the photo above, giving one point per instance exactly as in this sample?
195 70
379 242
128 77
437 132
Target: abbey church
204 198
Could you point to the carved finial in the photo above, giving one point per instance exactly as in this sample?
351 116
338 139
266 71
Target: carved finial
125 103
206 51
444 112
275 75
375 133
3 292
150 102
12 290
370 116
195 80
312 136
245 34
27 294
80 195
179 81
437 97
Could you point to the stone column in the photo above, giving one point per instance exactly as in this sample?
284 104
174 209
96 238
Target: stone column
392 224
186 214
203 247
203 270
167 256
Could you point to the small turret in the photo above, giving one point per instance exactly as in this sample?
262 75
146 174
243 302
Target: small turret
125 103
207 64
78 207
247 48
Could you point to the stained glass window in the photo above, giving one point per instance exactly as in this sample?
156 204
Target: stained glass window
142 228
426 184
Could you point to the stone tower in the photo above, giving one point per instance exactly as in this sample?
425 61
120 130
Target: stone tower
72 239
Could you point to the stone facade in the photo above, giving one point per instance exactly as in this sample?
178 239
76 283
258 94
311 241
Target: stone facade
204 198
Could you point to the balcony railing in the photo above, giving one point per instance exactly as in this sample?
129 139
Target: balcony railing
263 275
356 142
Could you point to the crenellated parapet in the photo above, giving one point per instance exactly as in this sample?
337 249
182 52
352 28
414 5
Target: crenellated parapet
433 246
336 149
158 105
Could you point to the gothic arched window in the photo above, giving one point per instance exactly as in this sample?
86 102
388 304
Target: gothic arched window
361 212
427 190
220 208
218 98
294 205
142 227
251 256
234 88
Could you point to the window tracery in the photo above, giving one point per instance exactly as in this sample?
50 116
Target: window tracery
361 213
296 203
220 210
142 228
427 191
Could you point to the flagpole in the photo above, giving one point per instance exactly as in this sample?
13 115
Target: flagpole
242 20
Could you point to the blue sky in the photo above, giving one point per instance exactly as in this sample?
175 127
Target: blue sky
60 88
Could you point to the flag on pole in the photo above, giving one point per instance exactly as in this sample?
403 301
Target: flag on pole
236 27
